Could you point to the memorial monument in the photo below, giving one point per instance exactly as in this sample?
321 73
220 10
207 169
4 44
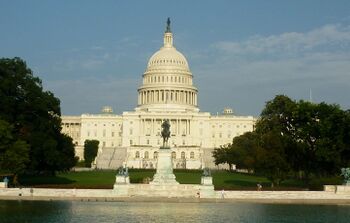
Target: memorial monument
164 182
164 174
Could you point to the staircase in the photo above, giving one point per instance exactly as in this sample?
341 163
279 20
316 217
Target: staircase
111 158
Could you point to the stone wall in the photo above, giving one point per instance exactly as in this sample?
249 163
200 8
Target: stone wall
184 191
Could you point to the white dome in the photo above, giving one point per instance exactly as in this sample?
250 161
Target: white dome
167 82
167 57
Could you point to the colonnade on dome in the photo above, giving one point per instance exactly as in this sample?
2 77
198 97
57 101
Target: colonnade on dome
167 96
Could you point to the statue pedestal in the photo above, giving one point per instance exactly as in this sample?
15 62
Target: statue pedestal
164 174
121 186
207 180
207 187
121 179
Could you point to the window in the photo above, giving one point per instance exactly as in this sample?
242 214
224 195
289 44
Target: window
146 155
130 132
104 144
147 141
173 155
130 142
137 154
192 155
183 156
112 134
104 133
155 155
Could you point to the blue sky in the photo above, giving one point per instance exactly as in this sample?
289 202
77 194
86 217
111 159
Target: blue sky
241 53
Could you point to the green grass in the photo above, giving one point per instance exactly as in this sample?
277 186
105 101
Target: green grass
221 179
87 179
237 181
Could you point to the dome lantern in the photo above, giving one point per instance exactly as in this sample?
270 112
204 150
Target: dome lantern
168 36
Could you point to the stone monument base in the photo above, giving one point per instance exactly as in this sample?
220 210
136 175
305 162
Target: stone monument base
168 191
164 174
121 179
207 187
121 185
338 189
206 180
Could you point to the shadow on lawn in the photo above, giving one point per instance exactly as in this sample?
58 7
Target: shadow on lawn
44 180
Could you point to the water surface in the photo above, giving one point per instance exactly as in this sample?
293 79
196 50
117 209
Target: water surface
76 211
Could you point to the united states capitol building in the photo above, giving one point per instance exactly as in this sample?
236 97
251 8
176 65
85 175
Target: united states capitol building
167 93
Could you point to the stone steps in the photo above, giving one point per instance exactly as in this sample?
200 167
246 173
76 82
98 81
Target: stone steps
111 158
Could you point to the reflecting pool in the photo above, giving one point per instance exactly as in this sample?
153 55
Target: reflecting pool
75 211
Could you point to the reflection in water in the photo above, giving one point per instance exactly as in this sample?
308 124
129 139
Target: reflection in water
66 211
35 211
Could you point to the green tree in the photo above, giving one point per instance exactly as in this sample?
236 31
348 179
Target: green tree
243 150
223 155
90 151
271 160
35 116
314 137
14 153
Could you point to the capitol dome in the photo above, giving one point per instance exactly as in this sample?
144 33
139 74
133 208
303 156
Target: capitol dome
167 82
167 57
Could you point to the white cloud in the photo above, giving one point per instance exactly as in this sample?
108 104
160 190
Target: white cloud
292 42
252 71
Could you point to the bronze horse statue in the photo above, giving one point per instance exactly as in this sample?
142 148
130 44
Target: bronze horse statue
165 132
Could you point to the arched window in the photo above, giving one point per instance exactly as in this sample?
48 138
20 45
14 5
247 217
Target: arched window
173 155
146 155
155 155
137 154
192 155
183 156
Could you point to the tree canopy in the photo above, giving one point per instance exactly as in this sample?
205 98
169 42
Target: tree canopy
33 117
293 138
90 151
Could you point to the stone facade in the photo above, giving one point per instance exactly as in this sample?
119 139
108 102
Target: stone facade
167 92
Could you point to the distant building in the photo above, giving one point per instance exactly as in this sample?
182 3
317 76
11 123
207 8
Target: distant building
167 92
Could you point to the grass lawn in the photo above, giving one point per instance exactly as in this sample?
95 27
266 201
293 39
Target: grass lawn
221 179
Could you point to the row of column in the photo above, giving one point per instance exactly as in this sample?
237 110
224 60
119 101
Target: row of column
167 79
155 124
166 96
